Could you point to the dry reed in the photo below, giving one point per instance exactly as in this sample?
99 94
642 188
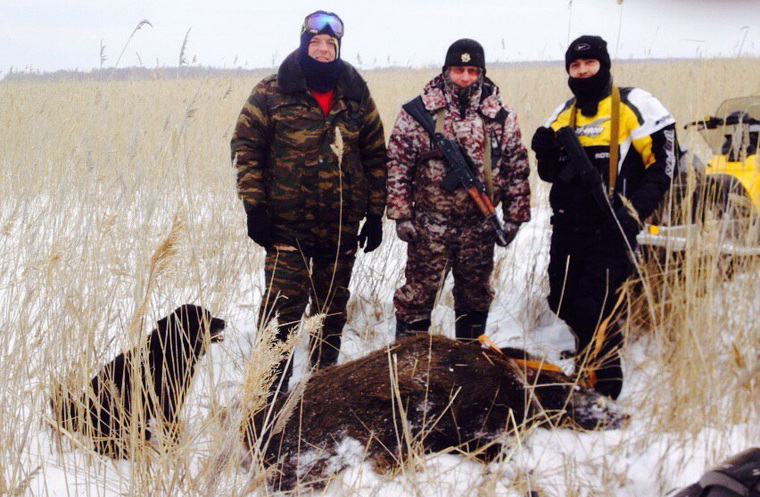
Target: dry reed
94 175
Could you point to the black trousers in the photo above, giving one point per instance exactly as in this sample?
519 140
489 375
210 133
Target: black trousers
586 270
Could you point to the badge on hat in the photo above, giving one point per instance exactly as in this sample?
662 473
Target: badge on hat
582 47
466 57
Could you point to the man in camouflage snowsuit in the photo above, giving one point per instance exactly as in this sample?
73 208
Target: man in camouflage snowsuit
446 231
310 156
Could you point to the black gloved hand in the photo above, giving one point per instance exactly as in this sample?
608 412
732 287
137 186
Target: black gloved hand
544 143
511 230
259 226
371 233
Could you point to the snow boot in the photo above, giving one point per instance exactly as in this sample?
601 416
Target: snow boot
609 377
470 325
404 330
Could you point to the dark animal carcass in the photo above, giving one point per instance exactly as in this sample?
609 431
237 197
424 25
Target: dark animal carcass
423 391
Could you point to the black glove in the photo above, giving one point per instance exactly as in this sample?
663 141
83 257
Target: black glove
259 226
544 144
371 233
510 230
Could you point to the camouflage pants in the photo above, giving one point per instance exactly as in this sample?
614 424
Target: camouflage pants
466 250
292 278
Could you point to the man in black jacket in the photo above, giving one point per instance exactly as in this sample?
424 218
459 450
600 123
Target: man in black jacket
590 254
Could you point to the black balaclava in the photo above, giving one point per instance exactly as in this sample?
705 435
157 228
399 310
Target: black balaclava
589 91
320 76
465 52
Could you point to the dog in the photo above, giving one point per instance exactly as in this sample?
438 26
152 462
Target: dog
118 403
451 394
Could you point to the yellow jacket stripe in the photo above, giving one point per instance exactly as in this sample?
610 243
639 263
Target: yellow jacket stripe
641 115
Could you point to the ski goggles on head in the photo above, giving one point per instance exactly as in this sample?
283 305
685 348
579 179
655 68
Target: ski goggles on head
319 20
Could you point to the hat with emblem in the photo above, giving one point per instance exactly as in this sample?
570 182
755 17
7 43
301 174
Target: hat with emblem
588 47
465 52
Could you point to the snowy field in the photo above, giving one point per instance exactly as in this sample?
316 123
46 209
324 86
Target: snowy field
96 175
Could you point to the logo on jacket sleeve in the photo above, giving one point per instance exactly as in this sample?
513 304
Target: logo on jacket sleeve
670 153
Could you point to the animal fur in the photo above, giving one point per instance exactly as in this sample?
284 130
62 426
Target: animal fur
453 395
116 403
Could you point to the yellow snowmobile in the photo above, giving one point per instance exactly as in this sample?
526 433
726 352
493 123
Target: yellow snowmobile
715 208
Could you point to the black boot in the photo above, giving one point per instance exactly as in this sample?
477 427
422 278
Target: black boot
404 330
609 377
470 325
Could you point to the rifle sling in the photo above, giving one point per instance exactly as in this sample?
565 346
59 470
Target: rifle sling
614 137
487 164
416 109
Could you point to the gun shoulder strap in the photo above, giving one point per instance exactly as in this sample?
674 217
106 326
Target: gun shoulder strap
614 137
487 173
416 109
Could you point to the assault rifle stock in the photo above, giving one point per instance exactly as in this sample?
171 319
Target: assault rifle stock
461 170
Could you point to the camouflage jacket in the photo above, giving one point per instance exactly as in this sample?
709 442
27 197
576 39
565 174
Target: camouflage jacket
414 185
284 150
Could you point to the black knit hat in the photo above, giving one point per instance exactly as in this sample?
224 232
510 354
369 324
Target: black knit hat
465 52
588 47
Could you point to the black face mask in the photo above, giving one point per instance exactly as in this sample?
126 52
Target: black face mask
589 91
320 76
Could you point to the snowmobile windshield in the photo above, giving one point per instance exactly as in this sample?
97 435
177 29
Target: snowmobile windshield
733 129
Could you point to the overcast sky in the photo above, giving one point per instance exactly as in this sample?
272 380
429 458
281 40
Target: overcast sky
67 34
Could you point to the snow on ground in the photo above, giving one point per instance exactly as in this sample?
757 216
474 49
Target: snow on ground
561 462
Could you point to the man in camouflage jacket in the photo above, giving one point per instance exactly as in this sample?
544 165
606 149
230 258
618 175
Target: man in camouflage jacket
446 230
310 156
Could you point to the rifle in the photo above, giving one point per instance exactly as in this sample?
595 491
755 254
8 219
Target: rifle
591 179
461 170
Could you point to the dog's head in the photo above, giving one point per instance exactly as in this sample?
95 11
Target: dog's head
195 323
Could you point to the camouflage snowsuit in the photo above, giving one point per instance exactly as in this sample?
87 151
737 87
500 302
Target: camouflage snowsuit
281 148
452 233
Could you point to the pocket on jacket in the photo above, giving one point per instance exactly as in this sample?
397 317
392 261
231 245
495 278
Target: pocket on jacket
355 178
293 138
287 163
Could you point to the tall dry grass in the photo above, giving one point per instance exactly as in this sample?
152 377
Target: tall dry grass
94 176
